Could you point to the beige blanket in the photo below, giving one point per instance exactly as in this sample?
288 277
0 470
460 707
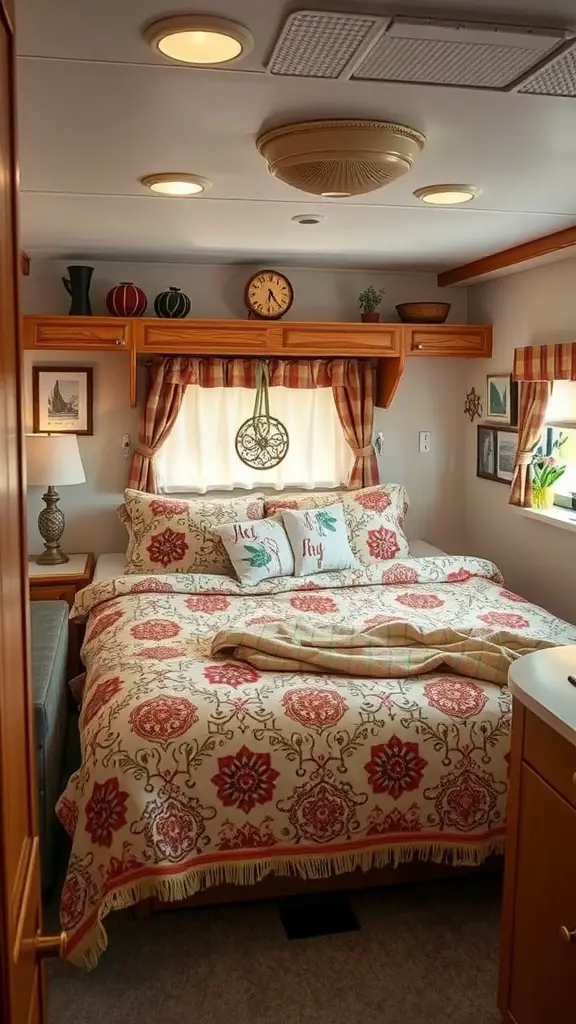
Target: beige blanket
386 651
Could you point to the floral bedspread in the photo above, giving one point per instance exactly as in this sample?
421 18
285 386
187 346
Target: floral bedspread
198 770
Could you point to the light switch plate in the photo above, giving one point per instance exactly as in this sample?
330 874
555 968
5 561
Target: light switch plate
424 441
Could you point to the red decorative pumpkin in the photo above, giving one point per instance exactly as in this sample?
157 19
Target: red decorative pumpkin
126 300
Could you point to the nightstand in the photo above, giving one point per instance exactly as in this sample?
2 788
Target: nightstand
62 583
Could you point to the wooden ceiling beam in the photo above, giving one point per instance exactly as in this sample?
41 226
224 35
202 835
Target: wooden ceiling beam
506 258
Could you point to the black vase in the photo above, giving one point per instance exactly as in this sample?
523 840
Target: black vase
172 304
78 287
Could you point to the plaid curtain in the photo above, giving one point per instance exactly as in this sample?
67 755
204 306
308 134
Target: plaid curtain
534 397
351 380
545 362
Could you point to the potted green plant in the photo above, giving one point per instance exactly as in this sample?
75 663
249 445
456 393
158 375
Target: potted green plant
546 470
369 300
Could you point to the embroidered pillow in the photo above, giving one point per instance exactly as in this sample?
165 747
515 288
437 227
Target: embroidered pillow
168 535
258 550
319 540
374 518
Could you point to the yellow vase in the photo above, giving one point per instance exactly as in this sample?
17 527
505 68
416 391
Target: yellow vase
542 497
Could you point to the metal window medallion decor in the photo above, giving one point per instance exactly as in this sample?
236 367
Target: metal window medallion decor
496 453
62 399
262 441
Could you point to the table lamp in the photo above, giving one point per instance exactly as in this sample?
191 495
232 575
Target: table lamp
53 459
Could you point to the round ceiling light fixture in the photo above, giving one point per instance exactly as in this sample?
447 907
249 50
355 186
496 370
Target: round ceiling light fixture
308 218
447 195
340 158
176 184
199 39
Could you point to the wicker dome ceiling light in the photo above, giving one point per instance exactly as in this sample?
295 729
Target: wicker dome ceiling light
340 158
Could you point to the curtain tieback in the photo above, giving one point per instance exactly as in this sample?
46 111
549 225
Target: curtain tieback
524 458
363 453
144 451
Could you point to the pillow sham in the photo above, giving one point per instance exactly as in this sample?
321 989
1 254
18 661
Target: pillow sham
168 535
374 518
258 550
319 540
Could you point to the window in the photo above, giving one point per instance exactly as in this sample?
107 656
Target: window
561 419
199 454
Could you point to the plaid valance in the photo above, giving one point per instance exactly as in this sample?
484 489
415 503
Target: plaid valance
545 362
213 372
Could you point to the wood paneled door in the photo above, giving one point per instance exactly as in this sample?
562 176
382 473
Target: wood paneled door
21 980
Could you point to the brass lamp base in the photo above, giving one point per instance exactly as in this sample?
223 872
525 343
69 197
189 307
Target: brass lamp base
51 523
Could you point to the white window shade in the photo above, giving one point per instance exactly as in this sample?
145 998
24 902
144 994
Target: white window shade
199 454
561 411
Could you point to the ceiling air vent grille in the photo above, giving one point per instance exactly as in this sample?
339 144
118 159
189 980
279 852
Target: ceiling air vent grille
558 78
436 53
321 44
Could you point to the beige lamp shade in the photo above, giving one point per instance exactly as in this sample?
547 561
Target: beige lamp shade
53 460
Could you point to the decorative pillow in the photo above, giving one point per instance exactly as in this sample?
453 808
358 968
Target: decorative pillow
374 518
319 539
171 535
257 550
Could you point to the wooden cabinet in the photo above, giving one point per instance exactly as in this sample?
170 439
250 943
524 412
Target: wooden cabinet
334 339
538 951
448 340
62 583
77 333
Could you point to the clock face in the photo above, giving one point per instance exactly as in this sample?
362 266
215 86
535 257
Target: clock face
269 294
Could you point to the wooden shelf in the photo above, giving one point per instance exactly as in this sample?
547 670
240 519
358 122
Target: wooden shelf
388 344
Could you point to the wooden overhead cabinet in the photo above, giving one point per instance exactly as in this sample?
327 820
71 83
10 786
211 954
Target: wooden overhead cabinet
471 342
77 333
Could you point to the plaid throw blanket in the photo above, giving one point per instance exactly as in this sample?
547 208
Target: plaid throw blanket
386 651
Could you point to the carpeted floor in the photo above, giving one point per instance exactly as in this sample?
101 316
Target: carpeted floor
424 954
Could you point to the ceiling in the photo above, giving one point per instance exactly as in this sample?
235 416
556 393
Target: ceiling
98 110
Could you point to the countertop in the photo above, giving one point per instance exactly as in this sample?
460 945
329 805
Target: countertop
540 682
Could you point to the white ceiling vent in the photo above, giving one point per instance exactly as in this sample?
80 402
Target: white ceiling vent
438 53
321 44
557 78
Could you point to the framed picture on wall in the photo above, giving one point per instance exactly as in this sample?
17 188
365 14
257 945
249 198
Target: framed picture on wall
502 398
496 453
62 399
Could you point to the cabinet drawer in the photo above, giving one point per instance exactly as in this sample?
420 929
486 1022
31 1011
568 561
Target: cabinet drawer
216 337
53 592
102 334
552 757
449 341
340 339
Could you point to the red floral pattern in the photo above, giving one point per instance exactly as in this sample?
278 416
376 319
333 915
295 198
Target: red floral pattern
420 600
105 811
160 653
231 673
309 585
167 547
315 708
379 620
323 811
382 824
400 574
246 837
506 619
163 718
68 814
313 603
155 629
161 507
73 900
245 779
254 510
465 801
383 543
99 697
151 584
104 622
174 827
207 603
460 576
374 500
456 698
395 767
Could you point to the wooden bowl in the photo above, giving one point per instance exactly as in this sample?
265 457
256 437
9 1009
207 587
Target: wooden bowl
423 312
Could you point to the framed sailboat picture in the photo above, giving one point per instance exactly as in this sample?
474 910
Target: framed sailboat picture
62 399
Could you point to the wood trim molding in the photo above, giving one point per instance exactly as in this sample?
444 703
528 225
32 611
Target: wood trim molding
24 264
536 247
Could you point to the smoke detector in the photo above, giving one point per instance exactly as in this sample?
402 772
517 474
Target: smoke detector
340 158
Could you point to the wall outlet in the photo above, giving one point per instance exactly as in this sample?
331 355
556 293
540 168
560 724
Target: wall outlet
424 441
126 446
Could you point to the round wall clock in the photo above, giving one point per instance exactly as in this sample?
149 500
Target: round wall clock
269 294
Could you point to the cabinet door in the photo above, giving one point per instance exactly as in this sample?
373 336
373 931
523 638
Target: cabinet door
100 333
543 976
54 592
197 337
343 339
449 340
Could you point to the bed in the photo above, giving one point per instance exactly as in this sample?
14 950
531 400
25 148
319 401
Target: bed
199 770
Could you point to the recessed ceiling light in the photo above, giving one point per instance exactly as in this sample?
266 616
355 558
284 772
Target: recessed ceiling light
196 39
447 195
176 184
308 218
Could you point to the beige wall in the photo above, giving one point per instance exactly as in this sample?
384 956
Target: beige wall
430 396
531 307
